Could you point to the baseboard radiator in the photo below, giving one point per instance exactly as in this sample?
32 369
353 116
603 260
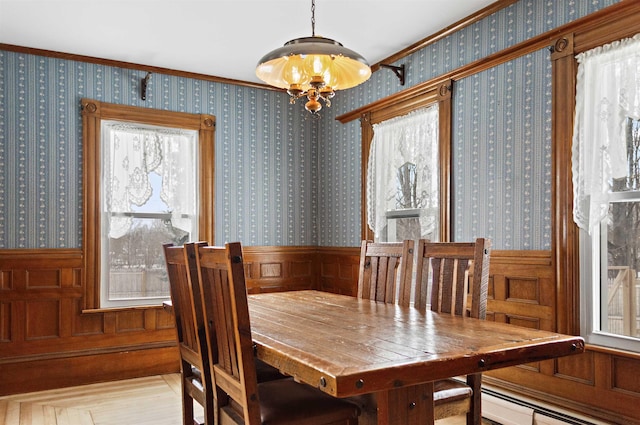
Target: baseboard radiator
505 409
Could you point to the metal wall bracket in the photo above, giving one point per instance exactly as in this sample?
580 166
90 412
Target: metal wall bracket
143 86
398 70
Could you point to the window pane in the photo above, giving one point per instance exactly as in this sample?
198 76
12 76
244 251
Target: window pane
136 260
619 297
631 179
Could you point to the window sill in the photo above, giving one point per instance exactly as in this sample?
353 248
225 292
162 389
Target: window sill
125 308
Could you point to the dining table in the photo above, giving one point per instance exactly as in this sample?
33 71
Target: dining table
386 356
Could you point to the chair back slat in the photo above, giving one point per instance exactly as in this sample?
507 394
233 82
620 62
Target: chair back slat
189 342
385 271
447 266
222 278
449 284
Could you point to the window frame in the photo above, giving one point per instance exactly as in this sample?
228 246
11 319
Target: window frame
93 112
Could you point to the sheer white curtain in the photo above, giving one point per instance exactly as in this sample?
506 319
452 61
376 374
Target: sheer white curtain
131 153
409 139
607 92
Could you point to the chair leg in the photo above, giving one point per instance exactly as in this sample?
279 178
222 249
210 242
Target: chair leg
474 415
187 409
209 411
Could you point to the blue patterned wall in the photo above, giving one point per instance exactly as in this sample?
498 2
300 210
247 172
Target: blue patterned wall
266 174
501 131
282 179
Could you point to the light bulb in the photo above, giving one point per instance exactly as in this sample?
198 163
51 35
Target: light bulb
294 72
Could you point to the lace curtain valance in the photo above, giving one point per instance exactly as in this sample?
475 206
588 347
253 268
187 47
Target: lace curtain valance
403 149
607 93
130 154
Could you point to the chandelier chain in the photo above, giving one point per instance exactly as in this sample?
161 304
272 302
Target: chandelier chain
313 18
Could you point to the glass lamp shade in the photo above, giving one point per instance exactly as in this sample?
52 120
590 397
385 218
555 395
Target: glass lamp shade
307 60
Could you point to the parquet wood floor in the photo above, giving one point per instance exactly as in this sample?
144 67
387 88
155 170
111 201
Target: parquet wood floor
153 400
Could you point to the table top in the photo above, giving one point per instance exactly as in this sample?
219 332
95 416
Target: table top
348 346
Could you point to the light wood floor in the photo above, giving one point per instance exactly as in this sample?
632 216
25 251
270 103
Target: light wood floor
151 400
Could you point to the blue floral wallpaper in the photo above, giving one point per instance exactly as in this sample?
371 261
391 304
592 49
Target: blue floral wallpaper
284 179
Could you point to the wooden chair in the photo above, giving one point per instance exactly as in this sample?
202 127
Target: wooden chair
264 371
240 399
446 266
385 271
187 307
190 330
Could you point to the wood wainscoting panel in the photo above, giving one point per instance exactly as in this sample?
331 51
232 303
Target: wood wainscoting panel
46 339
523 288
5 322
85 324
6 280
579 368
76 347
585 384
130 321
270 270
43 278
526 290
42 318
164 319
280 268
339 268
625 375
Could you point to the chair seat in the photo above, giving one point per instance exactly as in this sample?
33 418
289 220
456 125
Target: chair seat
449 390
284 402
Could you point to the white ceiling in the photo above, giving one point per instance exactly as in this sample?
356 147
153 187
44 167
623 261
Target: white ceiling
222 38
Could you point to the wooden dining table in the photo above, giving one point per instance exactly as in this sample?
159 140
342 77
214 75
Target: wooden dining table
387 356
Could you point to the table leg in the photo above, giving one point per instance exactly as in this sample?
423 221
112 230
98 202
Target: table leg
400 406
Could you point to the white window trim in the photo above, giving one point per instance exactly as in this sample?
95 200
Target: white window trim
591 300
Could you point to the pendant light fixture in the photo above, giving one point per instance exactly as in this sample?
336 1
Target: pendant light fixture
314 67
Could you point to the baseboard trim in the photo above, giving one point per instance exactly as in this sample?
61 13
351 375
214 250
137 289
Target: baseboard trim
556 413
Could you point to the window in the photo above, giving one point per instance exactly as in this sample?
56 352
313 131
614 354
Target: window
149 197
148 180
435 98
606 167
402 177
613 251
